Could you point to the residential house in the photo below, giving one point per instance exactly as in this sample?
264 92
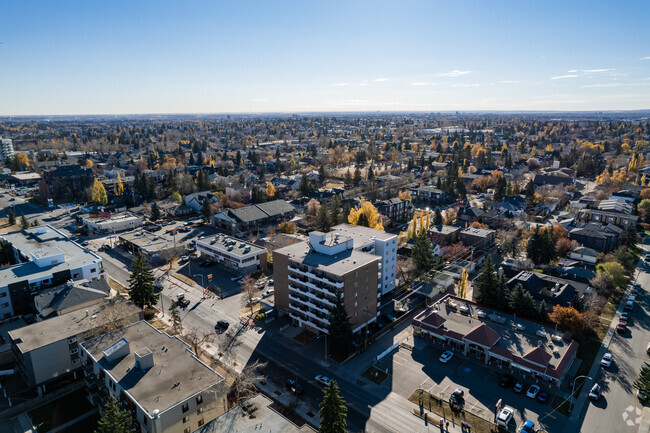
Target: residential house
444 235
606 217
195 200
596 236
552 290
584 254
253 218
477 237
395 209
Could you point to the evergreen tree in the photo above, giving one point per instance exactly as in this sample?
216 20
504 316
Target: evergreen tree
500 190
530 191
335 210
206 210
363 220
347 180
305 188
357 176
340 330
141 287
333 410
487 284
11 217
23 222
371 173
155 212
437 217
114 419
541 246
321 175
322 219
422 251
346 211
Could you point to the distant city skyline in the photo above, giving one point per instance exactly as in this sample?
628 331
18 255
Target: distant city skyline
74 57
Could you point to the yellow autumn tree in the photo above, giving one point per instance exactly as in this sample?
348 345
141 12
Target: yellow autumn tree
422 221
21 159
405 195
119 187
99 193
428 220
462 284
270 190
366 215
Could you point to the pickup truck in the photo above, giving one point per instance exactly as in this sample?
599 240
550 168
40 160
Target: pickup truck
181 301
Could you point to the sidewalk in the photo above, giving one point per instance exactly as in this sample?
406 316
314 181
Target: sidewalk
287 399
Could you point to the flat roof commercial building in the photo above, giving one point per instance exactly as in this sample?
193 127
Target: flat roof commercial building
308 276
234 254
111 223
163 383
45 257
47 350
153 246
502 341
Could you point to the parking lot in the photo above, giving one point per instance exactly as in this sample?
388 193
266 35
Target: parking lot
422 369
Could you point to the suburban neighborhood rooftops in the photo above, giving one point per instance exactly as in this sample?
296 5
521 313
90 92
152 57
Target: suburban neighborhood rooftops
176 375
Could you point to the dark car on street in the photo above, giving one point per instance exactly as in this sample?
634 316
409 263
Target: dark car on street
506 381
221 325
295 387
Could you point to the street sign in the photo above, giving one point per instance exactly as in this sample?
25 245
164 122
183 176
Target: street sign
209 278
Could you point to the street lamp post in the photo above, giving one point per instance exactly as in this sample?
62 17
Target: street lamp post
202 285
324 335
573 391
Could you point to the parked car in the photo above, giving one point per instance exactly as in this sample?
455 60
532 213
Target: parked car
221 325
594 393
184 258
607 360
624 316
505 416
506 381
456 397
527 427
268 292
446 356
542 396
621 328
518 387
646 258
295 387
532 392
253 301
323 380
641 395
235 278
85 243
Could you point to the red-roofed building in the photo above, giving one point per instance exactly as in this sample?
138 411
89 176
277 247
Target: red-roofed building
507 343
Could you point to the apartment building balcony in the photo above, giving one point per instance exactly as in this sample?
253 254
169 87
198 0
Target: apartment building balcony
304 310
311 275
315 296
311 324
322 309
316 287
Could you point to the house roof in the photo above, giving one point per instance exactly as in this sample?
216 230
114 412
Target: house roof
71 294
537 355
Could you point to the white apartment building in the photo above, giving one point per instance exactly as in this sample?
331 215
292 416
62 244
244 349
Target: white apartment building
6 148
45 257
378 243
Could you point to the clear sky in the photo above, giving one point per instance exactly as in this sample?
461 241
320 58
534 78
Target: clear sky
211 56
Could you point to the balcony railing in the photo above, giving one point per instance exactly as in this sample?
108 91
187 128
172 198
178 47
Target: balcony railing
308 274
310 304
312 324
321 299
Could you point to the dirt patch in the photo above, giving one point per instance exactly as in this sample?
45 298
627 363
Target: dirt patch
304 337
185 279
120 289
375 375
438 408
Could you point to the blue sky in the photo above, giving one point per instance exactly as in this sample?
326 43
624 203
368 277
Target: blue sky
105 57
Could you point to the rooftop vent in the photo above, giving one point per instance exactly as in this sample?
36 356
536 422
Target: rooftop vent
144 359
117 350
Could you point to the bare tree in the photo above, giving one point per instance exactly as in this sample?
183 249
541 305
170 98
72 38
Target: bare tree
171 255
244 384
196 338
249 292
177 321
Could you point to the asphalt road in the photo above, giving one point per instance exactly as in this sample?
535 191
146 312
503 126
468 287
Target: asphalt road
619 410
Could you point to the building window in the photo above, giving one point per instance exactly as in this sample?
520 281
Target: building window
75 276
144 419
199 411
201 422
186 407
5 304
3 294
76 361
74 351
187 430
199 399
186 419
93 270
72 340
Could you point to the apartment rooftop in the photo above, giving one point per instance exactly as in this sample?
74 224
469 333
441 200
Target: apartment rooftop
361 235
478 231
167 371
337 264
67 325
38 245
